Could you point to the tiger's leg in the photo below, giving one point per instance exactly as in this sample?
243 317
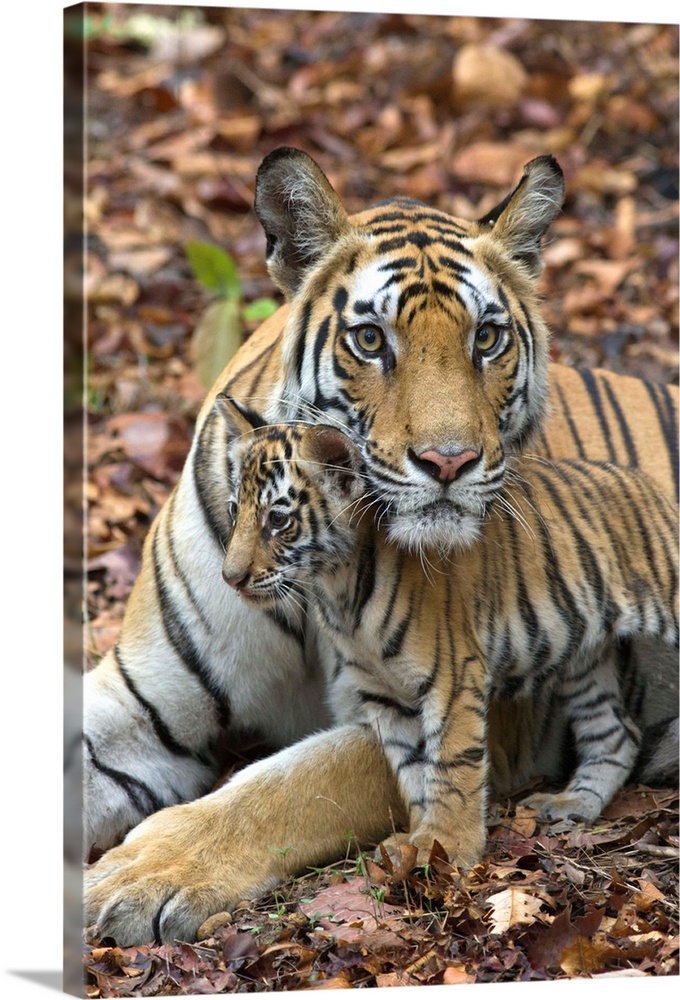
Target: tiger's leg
606 739
299 807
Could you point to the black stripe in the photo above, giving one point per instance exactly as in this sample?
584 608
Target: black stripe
591 385
160 728
538 642
365 580
292 629
643 528
135 789
570 422
237 376
588 558
559 591
301 341
623 426
395 641
542 445
177 569
378 699
156 923
665 409
203 471
178 635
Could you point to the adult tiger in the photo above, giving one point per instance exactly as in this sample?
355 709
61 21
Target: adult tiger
423 332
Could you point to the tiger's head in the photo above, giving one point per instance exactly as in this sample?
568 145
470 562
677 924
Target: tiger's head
417 331
296 498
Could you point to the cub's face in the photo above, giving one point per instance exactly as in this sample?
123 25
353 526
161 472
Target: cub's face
418 332
291 510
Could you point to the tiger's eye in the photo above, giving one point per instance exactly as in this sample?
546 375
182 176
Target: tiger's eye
369 339
486 338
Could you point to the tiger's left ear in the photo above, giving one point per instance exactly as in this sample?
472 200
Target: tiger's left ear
239 419
300 213
523 217
335 457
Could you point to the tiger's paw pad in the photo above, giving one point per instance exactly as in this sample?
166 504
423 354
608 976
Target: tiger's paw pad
565 806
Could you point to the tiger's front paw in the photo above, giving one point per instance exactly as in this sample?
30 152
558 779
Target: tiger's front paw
565 805
174 870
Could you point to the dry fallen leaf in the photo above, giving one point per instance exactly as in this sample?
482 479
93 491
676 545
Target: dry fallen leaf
515 906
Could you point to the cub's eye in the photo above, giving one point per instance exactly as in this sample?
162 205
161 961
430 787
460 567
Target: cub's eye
486 338
369 339
232 511
278 519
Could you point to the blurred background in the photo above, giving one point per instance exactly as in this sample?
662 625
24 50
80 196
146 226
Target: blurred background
183 103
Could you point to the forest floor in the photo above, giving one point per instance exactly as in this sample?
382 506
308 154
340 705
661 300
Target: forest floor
183 105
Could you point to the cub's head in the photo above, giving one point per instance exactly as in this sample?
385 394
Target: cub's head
295 499
417 331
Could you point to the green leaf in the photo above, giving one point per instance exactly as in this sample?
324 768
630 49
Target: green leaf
216 339
260 309
214 268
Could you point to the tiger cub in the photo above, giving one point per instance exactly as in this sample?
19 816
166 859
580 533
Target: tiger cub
419 644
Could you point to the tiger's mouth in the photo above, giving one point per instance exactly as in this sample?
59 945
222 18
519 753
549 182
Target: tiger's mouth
443 525
269 593
256 596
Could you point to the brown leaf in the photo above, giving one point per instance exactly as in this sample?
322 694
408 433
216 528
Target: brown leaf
209 926
350 914
455 974
647 897
158 442
607 274
588 955
485 75
490 163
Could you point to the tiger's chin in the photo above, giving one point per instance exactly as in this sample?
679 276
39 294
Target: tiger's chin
442 527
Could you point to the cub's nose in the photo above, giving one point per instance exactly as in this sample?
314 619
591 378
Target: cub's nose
236 579
446 467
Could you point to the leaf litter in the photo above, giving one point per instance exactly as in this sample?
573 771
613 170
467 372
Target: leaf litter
446 110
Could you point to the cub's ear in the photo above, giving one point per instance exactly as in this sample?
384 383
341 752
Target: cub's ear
300 213
334 456
523 217
239 419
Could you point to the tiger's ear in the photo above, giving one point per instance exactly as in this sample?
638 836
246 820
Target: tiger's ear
239 419
335 457
300 213
523 217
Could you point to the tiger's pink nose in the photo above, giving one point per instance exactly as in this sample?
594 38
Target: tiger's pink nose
446 468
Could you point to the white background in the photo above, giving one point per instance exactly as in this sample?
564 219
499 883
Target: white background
31 480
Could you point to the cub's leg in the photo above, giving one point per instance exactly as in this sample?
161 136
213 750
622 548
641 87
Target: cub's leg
607 741
455 765
297 808
401 739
